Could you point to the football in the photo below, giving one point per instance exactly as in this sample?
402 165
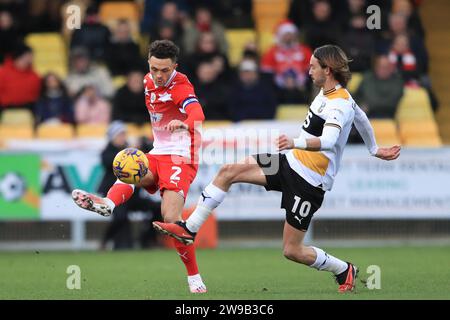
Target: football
130 165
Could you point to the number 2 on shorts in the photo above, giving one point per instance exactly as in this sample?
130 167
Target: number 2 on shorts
174 176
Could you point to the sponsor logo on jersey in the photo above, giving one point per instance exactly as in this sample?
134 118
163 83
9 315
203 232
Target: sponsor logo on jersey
165 97
155 117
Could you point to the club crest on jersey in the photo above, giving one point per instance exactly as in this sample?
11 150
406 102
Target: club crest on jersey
165 97
155 117
322 106
152 97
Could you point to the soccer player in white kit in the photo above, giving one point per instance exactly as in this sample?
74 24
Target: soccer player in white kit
305 172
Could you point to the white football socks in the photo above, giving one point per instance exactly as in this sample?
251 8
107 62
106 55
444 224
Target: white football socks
210 199
327 262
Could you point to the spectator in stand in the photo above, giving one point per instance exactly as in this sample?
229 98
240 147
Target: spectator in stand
211 92
398 26
169 25
156 10
44 16
123 54
54 104
323 29
207 50
288 59
91 108
409 10
402 57
9 35
129 102
204 22
251 98
359 43
93 35
380 90
83 72
20 85
167 31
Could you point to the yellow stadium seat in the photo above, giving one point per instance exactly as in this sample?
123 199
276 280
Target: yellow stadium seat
111 12
119 10
415 104
55 131
354 82
91 131
265 41
17 117
420 133
292 112
16 132
237 39
119 81
430 142
50 53
418 128
385 131
268 13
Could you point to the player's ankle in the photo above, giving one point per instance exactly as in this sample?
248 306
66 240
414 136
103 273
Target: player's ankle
110 203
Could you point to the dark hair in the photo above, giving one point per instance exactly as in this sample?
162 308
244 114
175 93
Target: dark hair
335 58
19 50
44 87
164 49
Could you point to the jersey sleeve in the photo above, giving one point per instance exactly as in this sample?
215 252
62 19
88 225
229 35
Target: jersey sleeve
340 113
184 96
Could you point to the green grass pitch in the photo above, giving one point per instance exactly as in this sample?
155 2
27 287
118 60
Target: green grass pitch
406 273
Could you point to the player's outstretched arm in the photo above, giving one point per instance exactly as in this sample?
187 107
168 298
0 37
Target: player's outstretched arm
326 141
365 129
388 154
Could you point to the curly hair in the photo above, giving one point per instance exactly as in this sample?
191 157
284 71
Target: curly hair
335 58
164 49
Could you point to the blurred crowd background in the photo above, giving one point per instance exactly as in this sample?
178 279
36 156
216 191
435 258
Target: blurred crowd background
245 58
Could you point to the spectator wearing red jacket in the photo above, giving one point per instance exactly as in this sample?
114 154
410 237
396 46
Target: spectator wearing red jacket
286 59
20 85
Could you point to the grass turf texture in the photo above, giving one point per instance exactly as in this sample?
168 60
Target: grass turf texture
406 273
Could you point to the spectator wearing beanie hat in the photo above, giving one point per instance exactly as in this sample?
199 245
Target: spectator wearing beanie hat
287 56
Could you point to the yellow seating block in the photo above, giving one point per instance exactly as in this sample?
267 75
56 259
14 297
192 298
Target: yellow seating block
56 131
292 112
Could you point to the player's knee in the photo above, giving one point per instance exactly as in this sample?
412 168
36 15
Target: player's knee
295 253
228 172
289 252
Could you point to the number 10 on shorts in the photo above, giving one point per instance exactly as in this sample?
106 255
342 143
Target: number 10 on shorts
305 207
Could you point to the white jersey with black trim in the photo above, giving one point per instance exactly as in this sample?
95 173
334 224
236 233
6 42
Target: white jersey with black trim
335 107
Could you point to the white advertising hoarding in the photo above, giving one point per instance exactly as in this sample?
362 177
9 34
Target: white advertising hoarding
417 185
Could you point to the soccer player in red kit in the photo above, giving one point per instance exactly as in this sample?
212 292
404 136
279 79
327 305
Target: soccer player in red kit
174 111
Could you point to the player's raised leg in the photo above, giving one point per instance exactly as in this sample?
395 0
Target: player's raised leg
171 210
295 250
247 171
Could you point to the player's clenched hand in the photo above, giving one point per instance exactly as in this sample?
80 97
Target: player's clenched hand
283 142
176 125
391 153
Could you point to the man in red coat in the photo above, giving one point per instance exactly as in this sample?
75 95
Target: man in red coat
20 85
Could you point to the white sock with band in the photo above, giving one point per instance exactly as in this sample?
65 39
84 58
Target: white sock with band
327 262
210 199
